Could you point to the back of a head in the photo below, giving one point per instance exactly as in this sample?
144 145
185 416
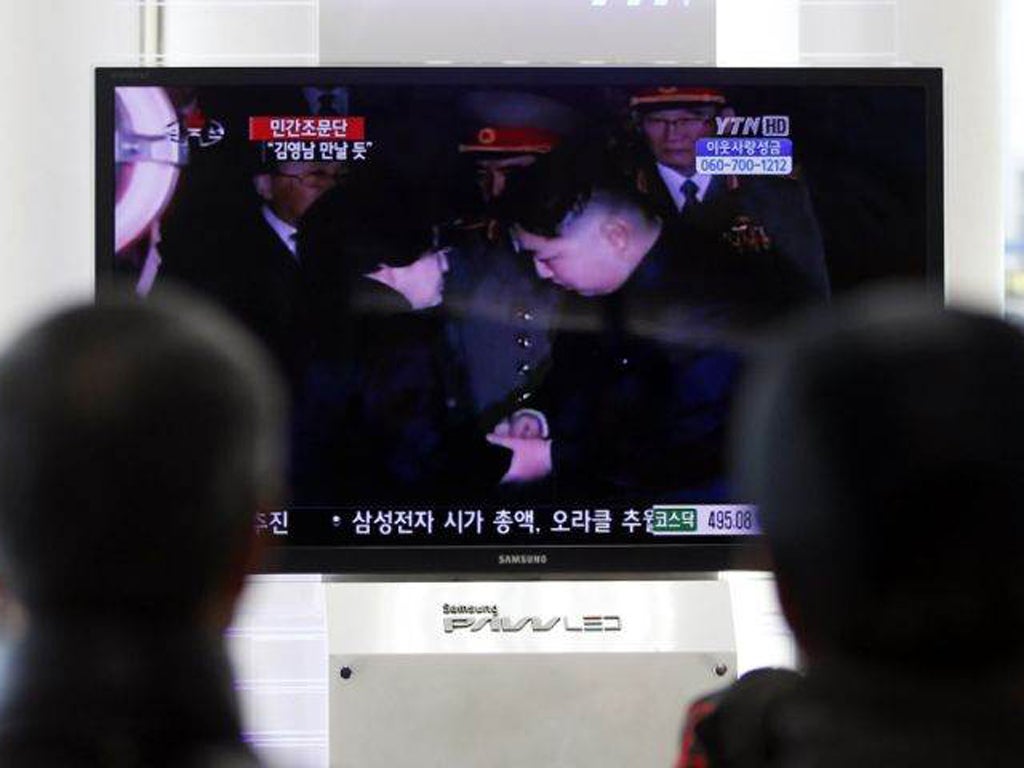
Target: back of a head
136 441
882 443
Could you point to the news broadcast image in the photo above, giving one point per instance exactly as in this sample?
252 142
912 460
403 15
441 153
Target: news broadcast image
485 346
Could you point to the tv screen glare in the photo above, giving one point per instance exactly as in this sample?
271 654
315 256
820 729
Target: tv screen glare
513 305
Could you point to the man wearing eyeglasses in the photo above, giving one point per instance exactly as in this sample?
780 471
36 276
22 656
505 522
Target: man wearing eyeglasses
671 121
770 218
289 189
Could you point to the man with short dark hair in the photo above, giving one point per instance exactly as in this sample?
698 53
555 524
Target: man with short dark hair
137 442
645 360
882 444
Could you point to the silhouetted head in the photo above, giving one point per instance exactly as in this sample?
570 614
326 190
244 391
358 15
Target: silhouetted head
882 442
137 441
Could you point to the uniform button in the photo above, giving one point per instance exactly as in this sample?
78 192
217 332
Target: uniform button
624 362
524 396
524 368
525 315
524 341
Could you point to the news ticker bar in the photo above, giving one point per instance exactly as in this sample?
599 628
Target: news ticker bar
660 520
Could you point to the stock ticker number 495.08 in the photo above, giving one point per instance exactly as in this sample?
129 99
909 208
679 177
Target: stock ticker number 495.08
731 519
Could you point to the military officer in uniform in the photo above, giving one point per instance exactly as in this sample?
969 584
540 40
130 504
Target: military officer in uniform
500 311
769 216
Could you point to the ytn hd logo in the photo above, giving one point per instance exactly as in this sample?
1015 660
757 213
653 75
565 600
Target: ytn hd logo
772 126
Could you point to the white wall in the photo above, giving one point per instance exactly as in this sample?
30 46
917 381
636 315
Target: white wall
1013 118
758 33
215 33
520 31
48 49
966 39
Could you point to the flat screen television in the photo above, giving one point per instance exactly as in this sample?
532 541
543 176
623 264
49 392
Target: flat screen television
469 392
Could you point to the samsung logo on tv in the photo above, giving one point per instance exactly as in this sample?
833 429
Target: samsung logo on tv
522 559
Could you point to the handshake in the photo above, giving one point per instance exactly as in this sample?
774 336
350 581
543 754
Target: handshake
525 433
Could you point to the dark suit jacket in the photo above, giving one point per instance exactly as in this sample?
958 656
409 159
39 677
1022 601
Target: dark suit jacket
382 414
109 697
240 263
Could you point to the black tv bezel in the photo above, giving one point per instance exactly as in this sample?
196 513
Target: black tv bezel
629 561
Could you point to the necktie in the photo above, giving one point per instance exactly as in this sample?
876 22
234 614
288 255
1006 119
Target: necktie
689 190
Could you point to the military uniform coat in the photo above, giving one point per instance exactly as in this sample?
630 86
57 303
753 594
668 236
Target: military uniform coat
500 320
770 217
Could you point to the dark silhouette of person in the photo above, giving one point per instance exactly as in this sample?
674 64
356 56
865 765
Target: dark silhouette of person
138 440
248 259
882 444
382 409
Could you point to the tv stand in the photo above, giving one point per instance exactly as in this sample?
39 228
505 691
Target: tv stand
502 673
358 672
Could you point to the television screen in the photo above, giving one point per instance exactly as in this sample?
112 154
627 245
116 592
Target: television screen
513 305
